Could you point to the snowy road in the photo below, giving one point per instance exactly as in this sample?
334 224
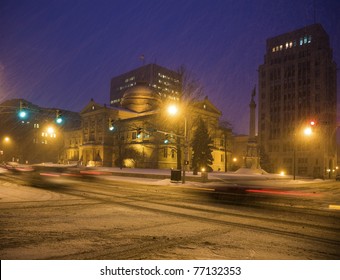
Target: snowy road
155 220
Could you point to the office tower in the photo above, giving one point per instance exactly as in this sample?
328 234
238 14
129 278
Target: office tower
297 104
165 82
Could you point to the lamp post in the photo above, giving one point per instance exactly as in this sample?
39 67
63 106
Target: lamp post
307 131
225 153
173 110
4 147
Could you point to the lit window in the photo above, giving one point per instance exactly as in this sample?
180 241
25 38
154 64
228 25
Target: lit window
287 45
281 47
305 40
290 44
301 41
309 39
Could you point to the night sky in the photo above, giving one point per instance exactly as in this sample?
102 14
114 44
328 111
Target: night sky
62 53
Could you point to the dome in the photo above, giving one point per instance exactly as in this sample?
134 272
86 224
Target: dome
140 98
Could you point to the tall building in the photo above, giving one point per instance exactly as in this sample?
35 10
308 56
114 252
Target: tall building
297 104
165 82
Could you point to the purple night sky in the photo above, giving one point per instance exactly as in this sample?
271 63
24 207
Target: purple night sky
61 53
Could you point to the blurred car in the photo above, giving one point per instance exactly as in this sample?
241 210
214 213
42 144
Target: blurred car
17 168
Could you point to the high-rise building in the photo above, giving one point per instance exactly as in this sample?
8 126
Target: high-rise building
297 104
165 82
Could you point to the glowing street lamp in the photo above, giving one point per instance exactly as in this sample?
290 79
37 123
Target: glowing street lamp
173 110
50 130
308 132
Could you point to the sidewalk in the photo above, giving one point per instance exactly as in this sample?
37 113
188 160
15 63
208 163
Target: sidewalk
189 176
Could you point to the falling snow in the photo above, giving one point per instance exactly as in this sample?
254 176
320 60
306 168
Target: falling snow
62 53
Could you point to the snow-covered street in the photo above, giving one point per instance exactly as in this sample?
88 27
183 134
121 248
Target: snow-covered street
119 217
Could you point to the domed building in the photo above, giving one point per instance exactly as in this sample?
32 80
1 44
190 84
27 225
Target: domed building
140 98
139 133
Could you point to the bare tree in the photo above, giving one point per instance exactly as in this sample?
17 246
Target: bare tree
192 89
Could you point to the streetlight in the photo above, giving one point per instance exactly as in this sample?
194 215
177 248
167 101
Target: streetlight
4 147
308 132
173 110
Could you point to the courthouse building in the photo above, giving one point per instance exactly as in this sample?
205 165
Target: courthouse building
140 133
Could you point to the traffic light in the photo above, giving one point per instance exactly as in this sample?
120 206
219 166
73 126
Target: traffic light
111 124
139 132
23 112
59 117
166 139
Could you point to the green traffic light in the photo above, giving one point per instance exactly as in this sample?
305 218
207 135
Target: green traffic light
59 117
22 114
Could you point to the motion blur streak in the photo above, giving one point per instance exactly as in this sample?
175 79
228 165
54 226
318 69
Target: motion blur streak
49 174
282 192
335 207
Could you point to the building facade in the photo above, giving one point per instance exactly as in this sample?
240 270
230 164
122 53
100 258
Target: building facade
141 134
167 83
297 93
35 138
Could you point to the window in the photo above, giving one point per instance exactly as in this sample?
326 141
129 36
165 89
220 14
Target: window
165 152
